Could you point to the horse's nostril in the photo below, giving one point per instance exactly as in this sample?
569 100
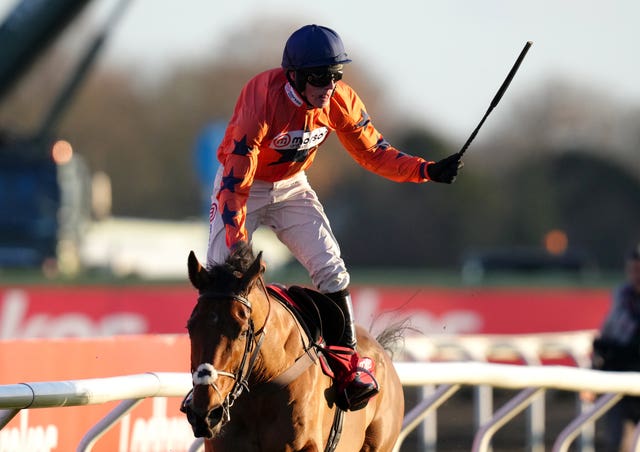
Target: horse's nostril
214 417
204 425
192 416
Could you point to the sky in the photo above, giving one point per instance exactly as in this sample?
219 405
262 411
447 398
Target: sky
440 62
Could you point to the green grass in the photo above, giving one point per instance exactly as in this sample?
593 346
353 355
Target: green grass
295 274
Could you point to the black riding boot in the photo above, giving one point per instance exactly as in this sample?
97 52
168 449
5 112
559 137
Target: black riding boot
360 383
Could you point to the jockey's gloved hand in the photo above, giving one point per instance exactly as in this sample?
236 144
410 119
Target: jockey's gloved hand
446 169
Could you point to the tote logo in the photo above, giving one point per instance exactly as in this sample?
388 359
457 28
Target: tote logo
299 139
159 432
17 322
24 437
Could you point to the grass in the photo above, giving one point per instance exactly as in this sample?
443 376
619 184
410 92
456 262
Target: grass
296 274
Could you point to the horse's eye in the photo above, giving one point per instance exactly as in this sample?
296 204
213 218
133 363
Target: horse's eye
207 320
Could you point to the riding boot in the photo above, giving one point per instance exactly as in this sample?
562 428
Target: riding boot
356 382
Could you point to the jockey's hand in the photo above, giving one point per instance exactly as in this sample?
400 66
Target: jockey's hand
446 169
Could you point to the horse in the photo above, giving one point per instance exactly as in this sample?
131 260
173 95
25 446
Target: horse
257 385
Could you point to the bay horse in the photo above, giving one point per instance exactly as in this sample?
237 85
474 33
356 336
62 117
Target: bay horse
256 385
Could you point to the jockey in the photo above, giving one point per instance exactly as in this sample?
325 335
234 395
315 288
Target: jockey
281 118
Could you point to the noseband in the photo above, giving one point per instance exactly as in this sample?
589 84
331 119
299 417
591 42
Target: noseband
249 357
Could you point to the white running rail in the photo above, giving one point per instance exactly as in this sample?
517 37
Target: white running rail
447 377
130 389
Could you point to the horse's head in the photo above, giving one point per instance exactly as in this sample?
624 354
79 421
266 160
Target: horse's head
223 335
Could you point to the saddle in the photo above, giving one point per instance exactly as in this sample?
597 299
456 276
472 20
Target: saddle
319 316
324 323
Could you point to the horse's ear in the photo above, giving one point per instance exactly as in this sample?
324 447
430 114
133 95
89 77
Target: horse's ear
262 266
195 270
255 270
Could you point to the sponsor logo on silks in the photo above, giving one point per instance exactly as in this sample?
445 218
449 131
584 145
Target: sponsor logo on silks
299 139
293 96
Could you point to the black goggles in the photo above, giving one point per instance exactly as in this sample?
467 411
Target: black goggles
322 79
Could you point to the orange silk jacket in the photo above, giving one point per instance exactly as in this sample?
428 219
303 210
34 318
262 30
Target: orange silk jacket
274 134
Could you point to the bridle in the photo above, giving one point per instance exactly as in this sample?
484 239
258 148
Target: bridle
253 343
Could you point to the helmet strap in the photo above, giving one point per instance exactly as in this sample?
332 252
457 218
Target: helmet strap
299 84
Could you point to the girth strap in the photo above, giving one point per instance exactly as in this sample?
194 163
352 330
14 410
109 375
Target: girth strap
302 363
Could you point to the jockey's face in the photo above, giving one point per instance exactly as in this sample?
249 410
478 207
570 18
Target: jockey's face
317 96
633 273
319 83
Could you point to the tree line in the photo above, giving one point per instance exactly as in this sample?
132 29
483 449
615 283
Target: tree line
565 159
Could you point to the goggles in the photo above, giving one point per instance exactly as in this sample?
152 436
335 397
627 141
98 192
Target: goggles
323 78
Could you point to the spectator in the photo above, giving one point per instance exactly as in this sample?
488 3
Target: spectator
618 348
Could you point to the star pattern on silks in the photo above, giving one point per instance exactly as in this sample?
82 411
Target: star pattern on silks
241 147
229 216
292 155
383 144
229 182
365 119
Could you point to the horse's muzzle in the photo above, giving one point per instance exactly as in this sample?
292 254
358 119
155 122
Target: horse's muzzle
204 424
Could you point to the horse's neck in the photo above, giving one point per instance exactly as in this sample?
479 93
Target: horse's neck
281 346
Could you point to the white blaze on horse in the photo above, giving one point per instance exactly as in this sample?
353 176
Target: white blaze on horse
257 384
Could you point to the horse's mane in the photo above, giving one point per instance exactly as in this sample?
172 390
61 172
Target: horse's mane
238 261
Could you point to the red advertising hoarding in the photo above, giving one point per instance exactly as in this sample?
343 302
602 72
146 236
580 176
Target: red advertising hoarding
154 425
29 312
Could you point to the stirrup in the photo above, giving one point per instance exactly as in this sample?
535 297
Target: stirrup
361 387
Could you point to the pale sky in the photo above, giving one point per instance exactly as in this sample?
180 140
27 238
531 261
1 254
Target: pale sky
440 61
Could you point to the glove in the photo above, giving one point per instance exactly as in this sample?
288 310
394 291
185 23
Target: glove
446 169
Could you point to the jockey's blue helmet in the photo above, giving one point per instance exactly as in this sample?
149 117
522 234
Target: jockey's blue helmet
313 46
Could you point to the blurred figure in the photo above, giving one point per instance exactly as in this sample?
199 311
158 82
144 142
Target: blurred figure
618 348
